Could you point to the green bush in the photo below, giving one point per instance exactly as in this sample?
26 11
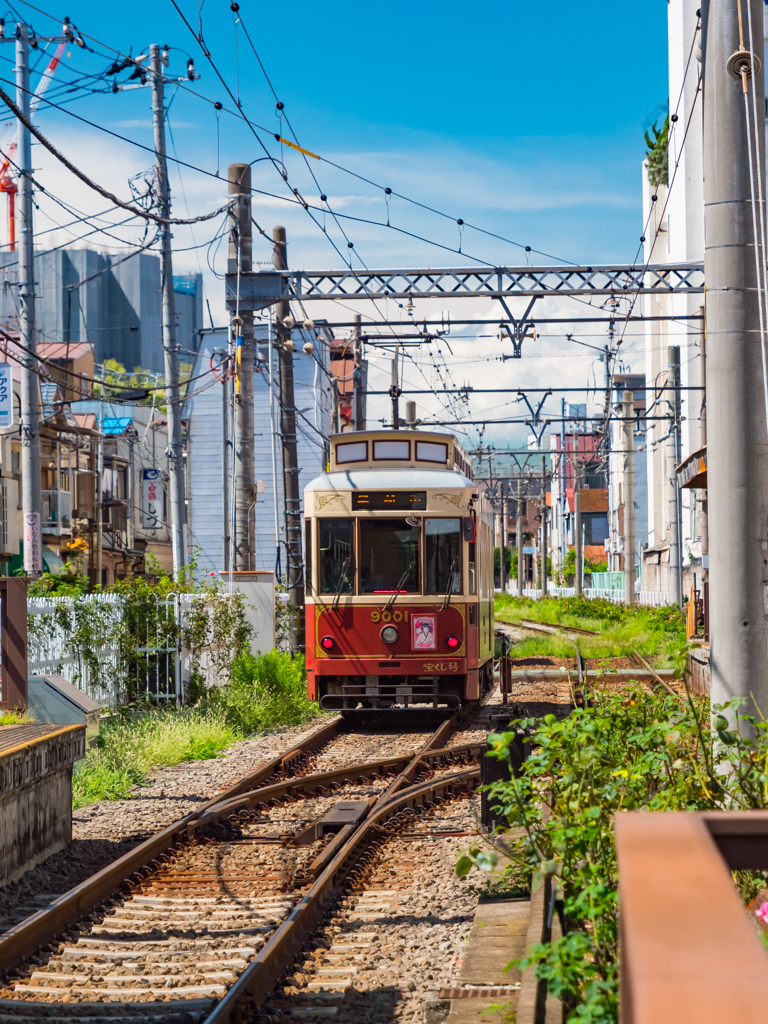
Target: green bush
264 692
629 751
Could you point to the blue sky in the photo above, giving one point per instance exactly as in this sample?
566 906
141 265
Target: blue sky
525 119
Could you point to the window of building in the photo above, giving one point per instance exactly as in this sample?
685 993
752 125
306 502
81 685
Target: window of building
442 539
336 561
389 557
595 527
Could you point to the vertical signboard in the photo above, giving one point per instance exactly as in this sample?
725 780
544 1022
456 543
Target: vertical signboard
151 499
6 395
33 544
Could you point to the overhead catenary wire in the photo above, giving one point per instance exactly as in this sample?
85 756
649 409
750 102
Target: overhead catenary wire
92 184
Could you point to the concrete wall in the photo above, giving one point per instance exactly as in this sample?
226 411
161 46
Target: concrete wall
36 794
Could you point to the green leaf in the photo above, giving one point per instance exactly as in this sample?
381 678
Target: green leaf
463 866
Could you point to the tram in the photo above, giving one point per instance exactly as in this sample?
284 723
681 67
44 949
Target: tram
399 574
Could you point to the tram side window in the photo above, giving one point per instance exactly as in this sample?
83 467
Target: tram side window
308 555
472 550
443 546
337 546
389 557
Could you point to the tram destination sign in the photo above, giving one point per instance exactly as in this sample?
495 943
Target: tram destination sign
381 501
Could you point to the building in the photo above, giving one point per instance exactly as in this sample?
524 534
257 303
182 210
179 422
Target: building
205 456
615 541
111 302
585 451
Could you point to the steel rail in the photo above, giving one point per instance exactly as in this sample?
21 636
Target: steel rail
24 939
349 773
258 980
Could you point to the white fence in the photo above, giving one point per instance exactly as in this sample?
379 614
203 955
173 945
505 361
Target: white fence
646 597
49 652
95 663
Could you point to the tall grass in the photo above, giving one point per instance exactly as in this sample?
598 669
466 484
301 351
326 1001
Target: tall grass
265 692
654 632
133 743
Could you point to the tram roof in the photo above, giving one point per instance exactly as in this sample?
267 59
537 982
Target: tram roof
388 479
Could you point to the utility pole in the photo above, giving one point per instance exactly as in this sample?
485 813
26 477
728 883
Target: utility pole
628 406
225 444
673 457
31 484
703 414
357 374
563 492
394 390
577 526
543 527
737 471
240 259
519 536
177 503
502 546
294 564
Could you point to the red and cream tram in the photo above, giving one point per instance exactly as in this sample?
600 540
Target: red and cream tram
399 571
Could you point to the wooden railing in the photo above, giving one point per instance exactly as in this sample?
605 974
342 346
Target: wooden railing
689 952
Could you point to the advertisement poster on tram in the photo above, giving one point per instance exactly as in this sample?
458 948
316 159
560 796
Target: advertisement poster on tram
423 632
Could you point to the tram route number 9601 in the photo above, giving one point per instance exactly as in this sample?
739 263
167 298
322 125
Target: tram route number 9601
397 615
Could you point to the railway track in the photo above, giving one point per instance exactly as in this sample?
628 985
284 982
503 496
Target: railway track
201 921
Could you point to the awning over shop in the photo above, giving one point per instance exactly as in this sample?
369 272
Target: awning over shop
692 471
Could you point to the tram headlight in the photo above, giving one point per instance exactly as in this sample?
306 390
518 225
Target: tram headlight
389 634
327 643
453 642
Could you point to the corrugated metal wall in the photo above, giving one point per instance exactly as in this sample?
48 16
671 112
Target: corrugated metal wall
204 412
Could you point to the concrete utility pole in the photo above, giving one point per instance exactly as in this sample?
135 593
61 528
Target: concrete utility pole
357 374
394 390
628 446
294 564
502 545
703 494
737 468
240 258
519 537
673 457
225 445
563 492
577 526
31 484
177 504
543 527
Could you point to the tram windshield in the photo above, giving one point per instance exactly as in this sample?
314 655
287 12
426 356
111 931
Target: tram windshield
389 557
337 567
443 551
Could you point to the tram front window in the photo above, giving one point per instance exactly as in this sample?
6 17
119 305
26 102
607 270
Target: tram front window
337 567
389 557
443 544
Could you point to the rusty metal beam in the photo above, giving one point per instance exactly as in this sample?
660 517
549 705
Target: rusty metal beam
689 951
13 642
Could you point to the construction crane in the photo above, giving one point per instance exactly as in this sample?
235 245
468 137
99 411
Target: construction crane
8 183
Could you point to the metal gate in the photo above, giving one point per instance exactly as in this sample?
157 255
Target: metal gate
159 659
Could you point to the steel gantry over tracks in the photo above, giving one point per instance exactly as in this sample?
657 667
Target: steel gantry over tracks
259 289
